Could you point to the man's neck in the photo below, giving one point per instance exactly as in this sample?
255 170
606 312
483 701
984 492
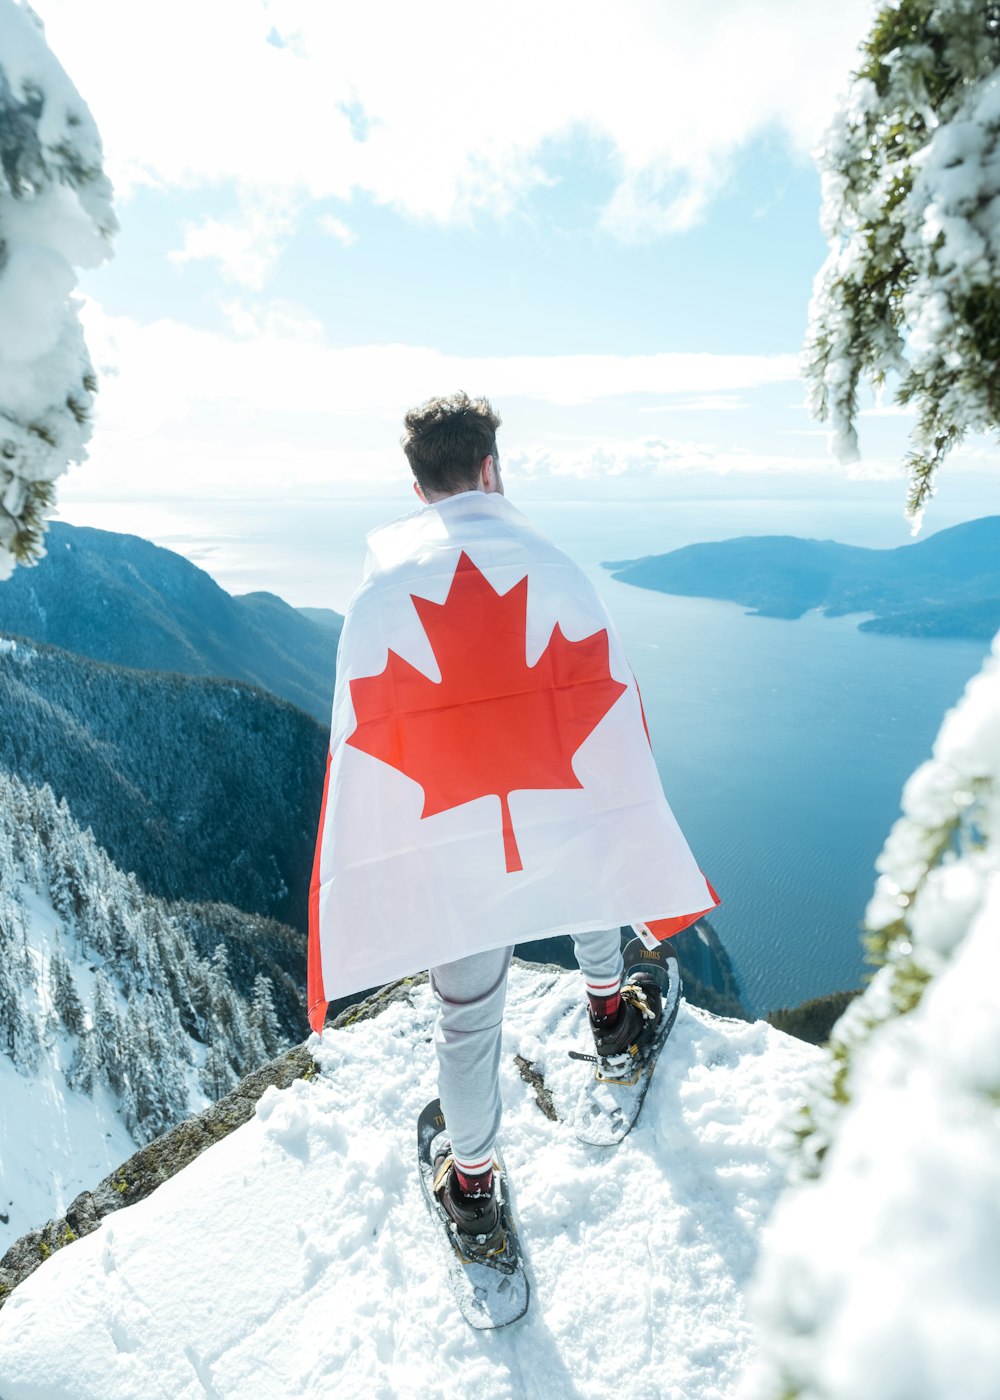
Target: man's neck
433 498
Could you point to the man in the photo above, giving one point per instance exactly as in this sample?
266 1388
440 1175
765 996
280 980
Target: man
477 665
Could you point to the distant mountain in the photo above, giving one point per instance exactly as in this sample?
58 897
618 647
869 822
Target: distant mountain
945 586
120 599
208 790
326 617
976 621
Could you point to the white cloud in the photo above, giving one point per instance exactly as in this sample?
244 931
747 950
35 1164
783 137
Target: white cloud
337 229
270 320
445 110
273 402
270 407
712 403
656 457
246 247
274 364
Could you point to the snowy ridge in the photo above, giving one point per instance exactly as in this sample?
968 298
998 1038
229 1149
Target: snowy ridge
295 1258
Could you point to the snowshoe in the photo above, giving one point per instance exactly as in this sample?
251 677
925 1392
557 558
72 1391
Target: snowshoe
485 1268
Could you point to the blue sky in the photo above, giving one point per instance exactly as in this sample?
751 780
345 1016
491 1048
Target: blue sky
604 218
546 277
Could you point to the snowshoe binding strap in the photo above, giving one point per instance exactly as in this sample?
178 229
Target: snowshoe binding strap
625 1066
635 994
441 1179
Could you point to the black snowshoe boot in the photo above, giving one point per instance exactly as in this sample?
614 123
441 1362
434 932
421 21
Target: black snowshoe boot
474 1218
620 1039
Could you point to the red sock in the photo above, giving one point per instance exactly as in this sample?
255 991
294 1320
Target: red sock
604 1008
474 1178
605 999
479 1185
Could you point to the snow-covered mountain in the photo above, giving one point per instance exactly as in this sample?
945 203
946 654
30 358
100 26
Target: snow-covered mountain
54 1139
114 1024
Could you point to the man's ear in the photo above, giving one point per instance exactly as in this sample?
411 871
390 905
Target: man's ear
488 473
420 494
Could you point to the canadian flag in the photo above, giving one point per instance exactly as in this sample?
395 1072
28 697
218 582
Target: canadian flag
489 778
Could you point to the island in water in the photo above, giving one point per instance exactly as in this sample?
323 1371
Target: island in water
947 585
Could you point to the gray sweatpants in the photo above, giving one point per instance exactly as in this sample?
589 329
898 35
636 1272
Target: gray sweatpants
470 995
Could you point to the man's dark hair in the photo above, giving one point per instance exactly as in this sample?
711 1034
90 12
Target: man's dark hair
446 440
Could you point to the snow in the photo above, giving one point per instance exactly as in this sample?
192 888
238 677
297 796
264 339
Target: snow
893 1256
296 1258
55 216
54 1141
910 175
17 651
881 1279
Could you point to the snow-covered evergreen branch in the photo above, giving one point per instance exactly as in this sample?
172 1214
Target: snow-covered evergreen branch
55 215
878 1279
911 208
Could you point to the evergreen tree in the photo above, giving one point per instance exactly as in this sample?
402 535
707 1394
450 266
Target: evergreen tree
107 1033
265 1033
140 1062
911 180
50 144
216 1076
19 1033
179 971
11 1013
171 1055
65 997
60 890
83 1070
227 1013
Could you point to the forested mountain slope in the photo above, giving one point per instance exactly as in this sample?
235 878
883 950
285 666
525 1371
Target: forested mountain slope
206 789
121 599
120 1014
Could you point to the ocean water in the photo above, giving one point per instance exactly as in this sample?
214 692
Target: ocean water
783 746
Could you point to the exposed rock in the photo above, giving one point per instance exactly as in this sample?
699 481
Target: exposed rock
534 1077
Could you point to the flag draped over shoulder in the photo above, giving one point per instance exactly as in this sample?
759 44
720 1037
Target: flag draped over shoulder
489 779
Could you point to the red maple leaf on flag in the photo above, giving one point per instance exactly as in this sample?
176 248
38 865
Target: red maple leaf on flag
492 724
